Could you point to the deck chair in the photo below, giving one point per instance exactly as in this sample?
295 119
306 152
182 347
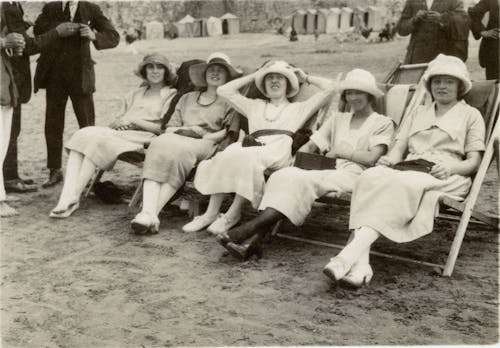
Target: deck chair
405 73
484 95
136 158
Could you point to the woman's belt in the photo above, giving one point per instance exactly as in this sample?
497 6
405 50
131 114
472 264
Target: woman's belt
251 139
266 132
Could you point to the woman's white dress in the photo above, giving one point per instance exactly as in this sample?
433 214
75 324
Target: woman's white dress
241 169
171 157
401 205
103 145
292 191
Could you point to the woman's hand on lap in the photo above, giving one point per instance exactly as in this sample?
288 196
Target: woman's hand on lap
385 161
442 171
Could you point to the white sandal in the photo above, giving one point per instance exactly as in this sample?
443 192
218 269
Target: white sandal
65 213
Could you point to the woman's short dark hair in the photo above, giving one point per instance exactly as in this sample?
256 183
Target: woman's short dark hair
371 98
166 76
228 74
460 89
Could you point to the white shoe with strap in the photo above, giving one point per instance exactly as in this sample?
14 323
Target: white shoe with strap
223 224
199 223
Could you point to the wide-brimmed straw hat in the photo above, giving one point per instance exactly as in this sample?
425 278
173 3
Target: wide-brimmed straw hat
156 58
361 80
450 66
197 72
278 67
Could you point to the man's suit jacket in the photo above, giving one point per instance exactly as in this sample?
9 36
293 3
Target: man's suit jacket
450 36
87 13
12 14
488 50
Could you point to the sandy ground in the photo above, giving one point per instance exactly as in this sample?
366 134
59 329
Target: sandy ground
88 282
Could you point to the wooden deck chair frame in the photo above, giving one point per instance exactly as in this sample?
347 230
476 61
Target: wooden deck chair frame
466 207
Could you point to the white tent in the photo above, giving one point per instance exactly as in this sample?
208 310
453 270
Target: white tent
322 18
298 22
186 26
154 30
375 20
214 26
333 20
311 21
230 24
345 18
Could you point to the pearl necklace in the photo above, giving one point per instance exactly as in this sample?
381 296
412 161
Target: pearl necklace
275 118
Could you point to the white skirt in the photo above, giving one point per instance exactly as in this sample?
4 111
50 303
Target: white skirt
292 191
241 169
401 205
103 145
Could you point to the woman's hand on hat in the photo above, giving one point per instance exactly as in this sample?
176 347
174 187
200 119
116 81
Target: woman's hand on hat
301 75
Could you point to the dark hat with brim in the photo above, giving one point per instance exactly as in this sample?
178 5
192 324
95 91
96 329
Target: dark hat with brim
156 58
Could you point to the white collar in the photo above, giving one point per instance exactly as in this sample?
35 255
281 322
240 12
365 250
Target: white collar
447 122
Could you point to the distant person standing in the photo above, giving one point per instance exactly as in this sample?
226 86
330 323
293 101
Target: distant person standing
435 26
488 51
66 69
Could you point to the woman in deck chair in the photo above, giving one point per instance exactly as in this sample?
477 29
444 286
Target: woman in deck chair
240 167
441 144
356 139
191 136
99 147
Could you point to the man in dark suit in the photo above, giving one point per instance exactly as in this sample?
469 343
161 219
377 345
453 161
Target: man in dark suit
14 23
436 26
489 35
66 69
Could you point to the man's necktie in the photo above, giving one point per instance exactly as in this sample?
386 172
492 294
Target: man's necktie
67 12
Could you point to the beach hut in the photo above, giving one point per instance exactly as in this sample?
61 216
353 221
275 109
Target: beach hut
345 18
230 24
362 14
311 21
375 20
214 26
186 26
322 19
154 30
200 27
333 20
299 21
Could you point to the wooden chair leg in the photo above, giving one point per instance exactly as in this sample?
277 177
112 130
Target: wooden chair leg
136 197
469 206
276 228
92 182
194 207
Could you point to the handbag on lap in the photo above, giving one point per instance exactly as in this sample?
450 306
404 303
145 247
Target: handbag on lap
418 165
